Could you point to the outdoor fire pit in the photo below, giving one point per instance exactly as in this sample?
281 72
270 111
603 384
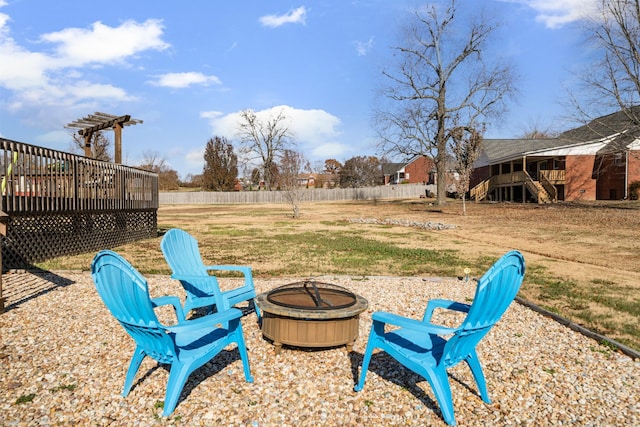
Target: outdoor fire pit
310 314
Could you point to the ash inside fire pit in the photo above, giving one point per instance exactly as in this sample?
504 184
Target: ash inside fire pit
312 295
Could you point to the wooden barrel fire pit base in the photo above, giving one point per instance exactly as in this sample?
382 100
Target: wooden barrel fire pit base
310 328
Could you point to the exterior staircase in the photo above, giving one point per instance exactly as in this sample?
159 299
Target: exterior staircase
480 191
543 191
539 192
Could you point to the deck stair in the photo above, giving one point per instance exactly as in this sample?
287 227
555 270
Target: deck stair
539 192
543 191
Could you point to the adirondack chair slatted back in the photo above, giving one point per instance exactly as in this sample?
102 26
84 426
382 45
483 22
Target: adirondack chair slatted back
183 256
126 294
495 291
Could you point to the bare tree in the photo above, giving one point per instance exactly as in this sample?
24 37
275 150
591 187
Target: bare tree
152 161
535 131
99 146
264 141
332 166
442 78
360 171
466 149
613 81
167 178
292 165
192 181
255 177
220 165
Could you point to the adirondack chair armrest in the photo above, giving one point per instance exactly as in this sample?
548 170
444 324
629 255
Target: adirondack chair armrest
206 322
170 300
443 303
205 302
405 322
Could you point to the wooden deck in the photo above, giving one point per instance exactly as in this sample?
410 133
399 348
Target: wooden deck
58 203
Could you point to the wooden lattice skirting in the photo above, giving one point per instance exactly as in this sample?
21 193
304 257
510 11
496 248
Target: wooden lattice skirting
35 237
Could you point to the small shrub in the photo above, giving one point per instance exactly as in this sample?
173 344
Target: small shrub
26 398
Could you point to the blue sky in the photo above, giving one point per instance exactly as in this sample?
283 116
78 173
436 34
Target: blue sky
187 68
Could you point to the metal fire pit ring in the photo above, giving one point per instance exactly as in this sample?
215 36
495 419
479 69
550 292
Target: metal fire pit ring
310 327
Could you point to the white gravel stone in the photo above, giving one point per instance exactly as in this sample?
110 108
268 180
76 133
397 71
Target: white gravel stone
65 356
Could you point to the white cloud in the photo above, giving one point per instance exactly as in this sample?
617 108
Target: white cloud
54 80
105 44
74 96
363 47
60 138
21 68
194 160
87 90
4 18
556 13
296 16
221 124
314 131
330 150
182 80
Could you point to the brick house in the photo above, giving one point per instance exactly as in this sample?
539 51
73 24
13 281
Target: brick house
418 170
597 161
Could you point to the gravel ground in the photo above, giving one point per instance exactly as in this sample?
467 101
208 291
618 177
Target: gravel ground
64 360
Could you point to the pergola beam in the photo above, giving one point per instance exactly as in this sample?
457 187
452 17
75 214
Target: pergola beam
104 125
99 121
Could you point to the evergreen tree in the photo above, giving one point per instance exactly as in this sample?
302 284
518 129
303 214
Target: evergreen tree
220 165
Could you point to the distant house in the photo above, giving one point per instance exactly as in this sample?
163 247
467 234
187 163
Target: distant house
418 170
326 180
597 161
308 181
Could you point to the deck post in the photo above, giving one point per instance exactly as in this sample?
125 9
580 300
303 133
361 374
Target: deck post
117 129
87 145
4 218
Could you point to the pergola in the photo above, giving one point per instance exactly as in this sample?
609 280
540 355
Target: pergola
99 121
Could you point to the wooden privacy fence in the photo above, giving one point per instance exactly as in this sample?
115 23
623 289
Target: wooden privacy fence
401 191
57 203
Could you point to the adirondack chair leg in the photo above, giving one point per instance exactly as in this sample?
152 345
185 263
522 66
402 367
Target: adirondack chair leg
177 378
256 309
439 381
136 360
476 369
242 349
375 328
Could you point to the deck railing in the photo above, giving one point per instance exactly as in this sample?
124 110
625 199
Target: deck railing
556 176
37 179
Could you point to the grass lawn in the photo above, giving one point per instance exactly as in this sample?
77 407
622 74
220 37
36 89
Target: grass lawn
583 260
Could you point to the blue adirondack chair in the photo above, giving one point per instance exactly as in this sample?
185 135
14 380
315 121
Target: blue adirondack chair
181 252
418 345
185 346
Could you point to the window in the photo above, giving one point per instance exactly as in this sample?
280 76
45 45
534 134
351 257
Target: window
619 159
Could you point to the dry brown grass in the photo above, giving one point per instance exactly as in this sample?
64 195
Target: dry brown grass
583 260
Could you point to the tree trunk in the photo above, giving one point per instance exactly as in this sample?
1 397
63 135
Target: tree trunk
441 145
464 204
